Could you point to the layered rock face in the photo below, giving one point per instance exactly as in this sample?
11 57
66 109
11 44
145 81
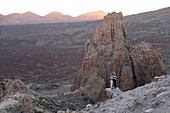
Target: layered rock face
110 51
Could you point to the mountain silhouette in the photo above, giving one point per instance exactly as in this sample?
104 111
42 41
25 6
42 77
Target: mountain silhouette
53 17
92 16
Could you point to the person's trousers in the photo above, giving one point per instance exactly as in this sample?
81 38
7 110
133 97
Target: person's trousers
114 83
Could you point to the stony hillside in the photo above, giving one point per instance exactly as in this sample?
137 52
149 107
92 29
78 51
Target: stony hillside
150 98
152 27
31 52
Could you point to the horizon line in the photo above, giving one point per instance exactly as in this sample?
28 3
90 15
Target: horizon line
79 14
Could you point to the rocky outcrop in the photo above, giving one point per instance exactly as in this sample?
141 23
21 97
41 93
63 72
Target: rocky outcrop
110 51
14 87
16 97
147 63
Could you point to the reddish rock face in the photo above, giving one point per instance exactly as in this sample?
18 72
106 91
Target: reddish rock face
110 51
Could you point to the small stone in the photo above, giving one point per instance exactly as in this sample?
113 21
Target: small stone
60 111
148 110
88 107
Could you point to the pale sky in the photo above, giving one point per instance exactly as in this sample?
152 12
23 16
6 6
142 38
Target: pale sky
77 7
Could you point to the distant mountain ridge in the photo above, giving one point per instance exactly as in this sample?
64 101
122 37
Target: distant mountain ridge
53 17
92 16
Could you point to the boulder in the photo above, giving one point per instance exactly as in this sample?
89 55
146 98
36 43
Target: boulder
16 87
110 51
111 93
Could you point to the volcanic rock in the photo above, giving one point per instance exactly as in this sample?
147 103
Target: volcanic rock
150 98
14 87
16 97
110 51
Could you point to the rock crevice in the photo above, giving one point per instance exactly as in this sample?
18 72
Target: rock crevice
133 73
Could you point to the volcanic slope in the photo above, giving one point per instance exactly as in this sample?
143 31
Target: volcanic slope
152 27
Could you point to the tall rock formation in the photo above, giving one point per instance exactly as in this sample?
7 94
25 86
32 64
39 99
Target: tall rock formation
110 51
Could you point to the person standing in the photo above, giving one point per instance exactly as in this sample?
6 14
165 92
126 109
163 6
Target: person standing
113 80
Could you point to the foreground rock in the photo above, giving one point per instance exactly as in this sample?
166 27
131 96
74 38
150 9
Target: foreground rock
111 93
110 51
150 98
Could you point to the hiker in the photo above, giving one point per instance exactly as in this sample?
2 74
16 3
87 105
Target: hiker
113 79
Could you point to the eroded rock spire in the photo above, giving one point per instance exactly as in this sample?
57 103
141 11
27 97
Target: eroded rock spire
110 51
